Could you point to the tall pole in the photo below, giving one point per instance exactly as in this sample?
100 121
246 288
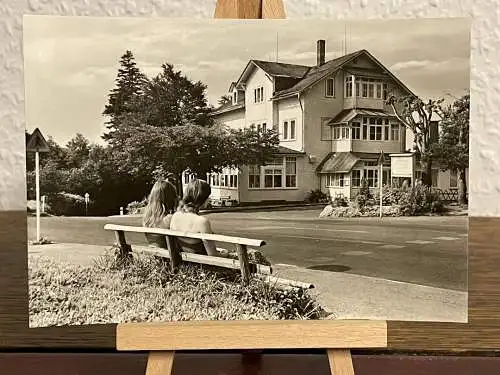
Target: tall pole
37 172
380 181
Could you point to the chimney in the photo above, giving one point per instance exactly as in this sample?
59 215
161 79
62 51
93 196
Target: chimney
321 52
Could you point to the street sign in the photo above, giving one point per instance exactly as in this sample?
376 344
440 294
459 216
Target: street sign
37 142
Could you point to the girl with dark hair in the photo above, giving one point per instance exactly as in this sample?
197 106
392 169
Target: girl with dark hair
187 219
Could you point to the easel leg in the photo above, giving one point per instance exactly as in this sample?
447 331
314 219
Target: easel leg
340 362
160 363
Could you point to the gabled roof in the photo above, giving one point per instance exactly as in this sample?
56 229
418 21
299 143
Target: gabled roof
276 69
315 74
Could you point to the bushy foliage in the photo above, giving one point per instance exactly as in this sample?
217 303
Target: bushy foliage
316 196
66 204
145 290
419 200
340 201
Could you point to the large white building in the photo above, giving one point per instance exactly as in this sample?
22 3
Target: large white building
333 122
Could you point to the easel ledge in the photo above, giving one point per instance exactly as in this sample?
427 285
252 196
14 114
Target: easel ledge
338 337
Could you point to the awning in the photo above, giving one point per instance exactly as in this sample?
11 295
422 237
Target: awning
347 115
343 162
340 162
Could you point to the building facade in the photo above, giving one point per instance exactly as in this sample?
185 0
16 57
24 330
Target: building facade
333 123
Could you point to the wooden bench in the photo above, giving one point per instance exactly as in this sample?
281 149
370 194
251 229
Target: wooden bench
163 243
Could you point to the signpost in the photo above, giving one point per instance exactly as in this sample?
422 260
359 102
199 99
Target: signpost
86 203
381 161
37 143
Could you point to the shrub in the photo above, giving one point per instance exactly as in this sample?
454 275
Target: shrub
340 201
66 204
137 207
419 200
316 196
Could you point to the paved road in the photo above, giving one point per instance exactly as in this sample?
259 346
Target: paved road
426 250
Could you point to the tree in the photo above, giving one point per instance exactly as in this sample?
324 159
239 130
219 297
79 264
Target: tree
130 83
417 115
452 151
225 99
148 150
172 99
77 151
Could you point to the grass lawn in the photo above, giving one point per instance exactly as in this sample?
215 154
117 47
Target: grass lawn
145 291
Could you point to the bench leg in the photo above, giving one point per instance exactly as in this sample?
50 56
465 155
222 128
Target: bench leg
160 363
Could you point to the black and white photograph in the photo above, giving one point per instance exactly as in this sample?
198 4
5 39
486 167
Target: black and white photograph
190 169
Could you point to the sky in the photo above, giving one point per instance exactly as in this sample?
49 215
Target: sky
70 63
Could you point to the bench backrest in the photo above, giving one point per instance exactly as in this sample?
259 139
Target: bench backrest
167 239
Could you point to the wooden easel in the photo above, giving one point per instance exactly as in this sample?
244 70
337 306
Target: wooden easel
337 337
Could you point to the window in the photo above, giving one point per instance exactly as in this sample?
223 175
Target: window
365 90
384 91
356 130
291 172
264 127
335 180
259 95
292 129
394 132
254 176
357 89
379 91
453 179
235 97
375 128
336 132
372 177
365 128
330 87
289 130
356 178
285 130
348 87
272 177
370 90
386 131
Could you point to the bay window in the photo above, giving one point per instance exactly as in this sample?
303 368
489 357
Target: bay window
280 173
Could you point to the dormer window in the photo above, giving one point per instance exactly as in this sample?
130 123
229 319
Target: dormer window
330 88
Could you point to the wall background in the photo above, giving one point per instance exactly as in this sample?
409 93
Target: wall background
485 73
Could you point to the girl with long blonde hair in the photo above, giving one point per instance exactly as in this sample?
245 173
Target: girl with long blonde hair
162 202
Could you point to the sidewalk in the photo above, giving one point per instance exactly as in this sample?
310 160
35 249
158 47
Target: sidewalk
346 296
